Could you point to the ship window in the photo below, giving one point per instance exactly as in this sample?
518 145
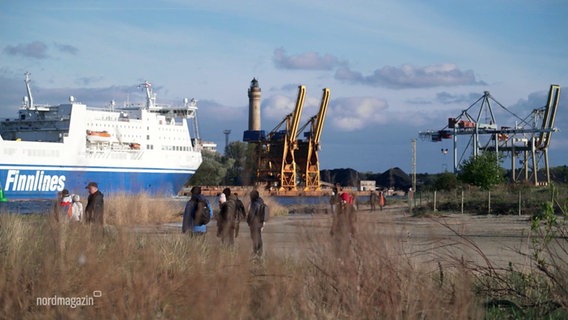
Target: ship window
148 137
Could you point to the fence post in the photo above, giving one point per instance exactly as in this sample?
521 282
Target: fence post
410 197
489 202
462 202
520 202
435 201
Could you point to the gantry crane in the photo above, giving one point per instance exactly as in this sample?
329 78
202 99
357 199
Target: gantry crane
276 152
524 136
307 160
537 142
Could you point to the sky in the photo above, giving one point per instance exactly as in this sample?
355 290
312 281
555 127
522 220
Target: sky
394 68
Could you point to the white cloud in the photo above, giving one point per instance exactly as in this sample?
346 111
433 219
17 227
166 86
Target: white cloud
277 107
305 61
409 76
355 113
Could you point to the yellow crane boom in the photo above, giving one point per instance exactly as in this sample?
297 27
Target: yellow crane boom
288 168
307 159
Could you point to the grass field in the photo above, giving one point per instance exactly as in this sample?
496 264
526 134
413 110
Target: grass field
116 273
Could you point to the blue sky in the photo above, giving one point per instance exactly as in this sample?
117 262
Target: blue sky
394 68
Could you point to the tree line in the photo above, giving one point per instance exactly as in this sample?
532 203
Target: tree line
237 167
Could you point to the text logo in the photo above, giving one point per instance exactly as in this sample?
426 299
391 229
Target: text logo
36 181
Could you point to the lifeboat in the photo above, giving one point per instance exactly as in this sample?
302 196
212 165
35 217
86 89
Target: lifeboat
135 146
98 136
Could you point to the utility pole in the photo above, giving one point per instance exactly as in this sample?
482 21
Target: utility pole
227 132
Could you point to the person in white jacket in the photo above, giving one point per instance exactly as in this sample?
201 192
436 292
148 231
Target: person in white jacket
77 209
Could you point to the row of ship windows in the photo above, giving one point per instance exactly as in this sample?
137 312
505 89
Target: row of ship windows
170 129
167 138
169 148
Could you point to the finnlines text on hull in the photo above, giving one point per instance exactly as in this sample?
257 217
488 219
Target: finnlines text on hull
38 181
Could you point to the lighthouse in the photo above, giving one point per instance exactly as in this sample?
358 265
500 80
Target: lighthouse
254 94
254 133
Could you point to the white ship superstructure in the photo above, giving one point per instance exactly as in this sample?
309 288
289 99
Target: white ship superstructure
130 149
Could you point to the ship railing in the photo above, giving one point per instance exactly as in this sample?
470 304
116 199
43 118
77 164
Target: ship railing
108 153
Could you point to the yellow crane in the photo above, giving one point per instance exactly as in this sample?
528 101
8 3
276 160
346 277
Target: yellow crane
288 169
307 154
276 153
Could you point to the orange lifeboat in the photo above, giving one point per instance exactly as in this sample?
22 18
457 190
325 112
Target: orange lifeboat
98 136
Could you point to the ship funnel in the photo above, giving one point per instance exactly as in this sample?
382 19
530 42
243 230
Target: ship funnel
71 99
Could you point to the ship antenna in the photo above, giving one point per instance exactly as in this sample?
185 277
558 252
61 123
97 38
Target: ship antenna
27 80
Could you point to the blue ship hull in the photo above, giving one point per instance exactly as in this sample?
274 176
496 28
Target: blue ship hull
38 182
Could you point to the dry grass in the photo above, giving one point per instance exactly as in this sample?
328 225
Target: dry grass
172 276
373 278
123 210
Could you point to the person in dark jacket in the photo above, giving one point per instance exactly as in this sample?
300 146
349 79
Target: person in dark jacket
373 199
226 219
256 219
94 211
240 213
189 213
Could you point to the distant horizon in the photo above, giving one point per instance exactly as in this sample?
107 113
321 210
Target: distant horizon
394 68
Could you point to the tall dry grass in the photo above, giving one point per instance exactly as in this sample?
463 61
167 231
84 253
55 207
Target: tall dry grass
123 209
173 276
374 278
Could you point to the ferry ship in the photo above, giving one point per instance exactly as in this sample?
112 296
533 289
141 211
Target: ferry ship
137 148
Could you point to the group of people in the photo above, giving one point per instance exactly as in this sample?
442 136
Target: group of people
231 212
375 199
70 208
343 206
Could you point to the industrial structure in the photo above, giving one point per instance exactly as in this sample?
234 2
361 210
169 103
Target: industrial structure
528 138
307 160
285 162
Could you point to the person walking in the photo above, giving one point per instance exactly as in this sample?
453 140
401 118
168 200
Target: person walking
94 211
240 213
343 227
63 206
381 200
335 199
257 216
373 199
77 209
222 199
226 219
190 210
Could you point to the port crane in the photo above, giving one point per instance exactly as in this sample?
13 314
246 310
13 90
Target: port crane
529 137
276 151
307 159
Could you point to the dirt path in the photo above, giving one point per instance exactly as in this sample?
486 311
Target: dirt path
448 238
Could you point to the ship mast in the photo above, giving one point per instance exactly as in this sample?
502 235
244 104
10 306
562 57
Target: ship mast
149 96
30 102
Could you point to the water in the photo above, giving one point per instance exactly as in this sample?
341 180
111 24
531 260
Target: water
46 206
27 207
